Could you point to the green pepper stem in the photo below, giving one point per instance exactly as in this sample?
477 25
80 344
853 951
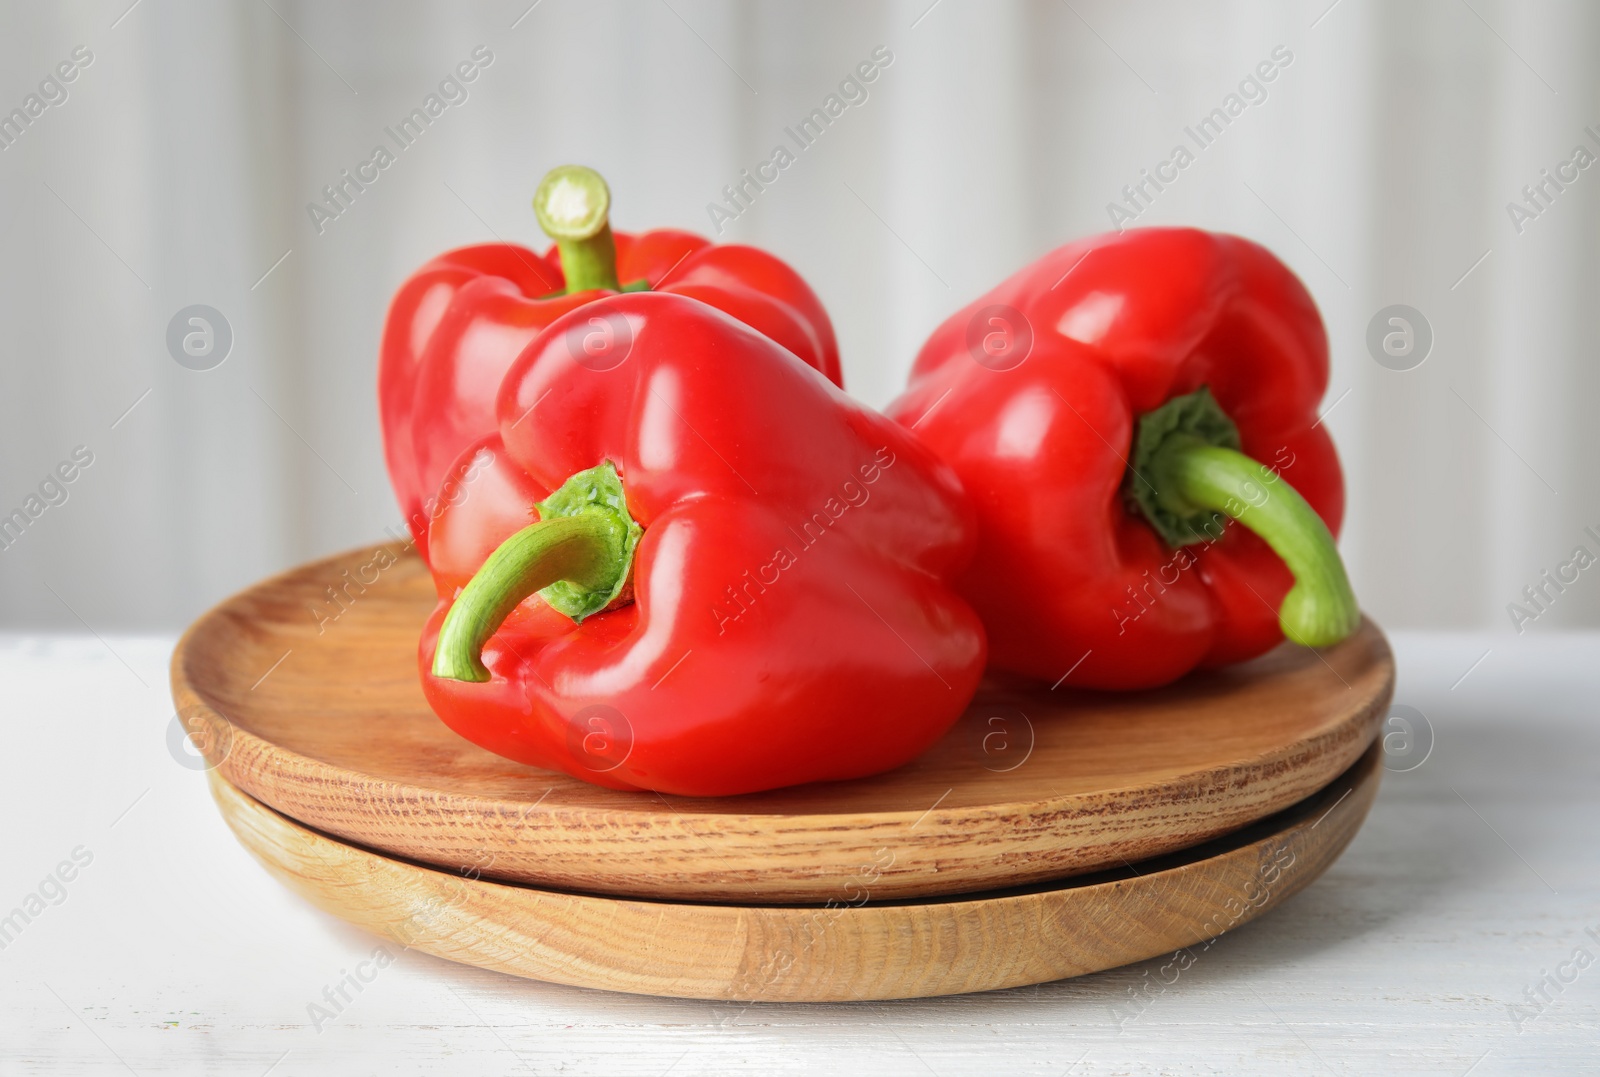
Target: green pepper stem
582 549
573 205
1192 476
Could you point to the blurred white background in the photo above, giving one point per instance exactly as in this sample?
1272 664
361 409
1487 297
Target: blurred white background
178 169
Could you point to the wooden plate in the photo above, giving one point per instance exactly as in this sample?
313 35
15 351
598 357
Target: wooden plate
323 719
820 953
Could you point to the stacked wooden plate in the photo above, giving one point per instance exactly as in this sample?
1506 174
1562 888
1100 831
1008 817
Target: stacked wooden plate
1050 834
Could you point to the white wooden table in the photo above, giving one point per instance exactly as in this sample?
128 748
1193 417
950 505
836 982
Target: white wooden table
170 951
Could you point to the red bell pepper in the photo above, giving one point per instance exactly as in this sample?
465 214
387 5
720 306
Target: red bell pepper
455 326
738 577
1108 409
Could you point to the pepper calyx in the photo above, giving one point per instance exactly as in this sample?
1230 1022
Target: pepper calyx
1195 418
595 492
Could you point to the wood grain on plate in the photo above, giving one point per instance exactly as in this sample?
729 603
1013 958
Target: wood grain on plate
770 953
323 720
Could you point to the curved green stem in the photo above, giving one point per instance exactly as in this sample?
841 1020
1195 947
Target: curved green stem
573 548
1192 477
573 205
579 556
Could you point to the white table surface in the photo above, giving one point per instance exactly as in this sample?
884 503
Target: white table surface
172 951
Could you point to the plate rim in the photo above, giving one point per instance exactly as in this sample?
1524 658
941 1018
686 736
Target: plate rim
291 766
908 924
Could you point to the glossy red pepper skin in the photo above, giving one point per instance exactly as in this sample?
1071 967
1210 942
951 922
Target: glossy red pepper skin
793 618
455 326
1066 576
